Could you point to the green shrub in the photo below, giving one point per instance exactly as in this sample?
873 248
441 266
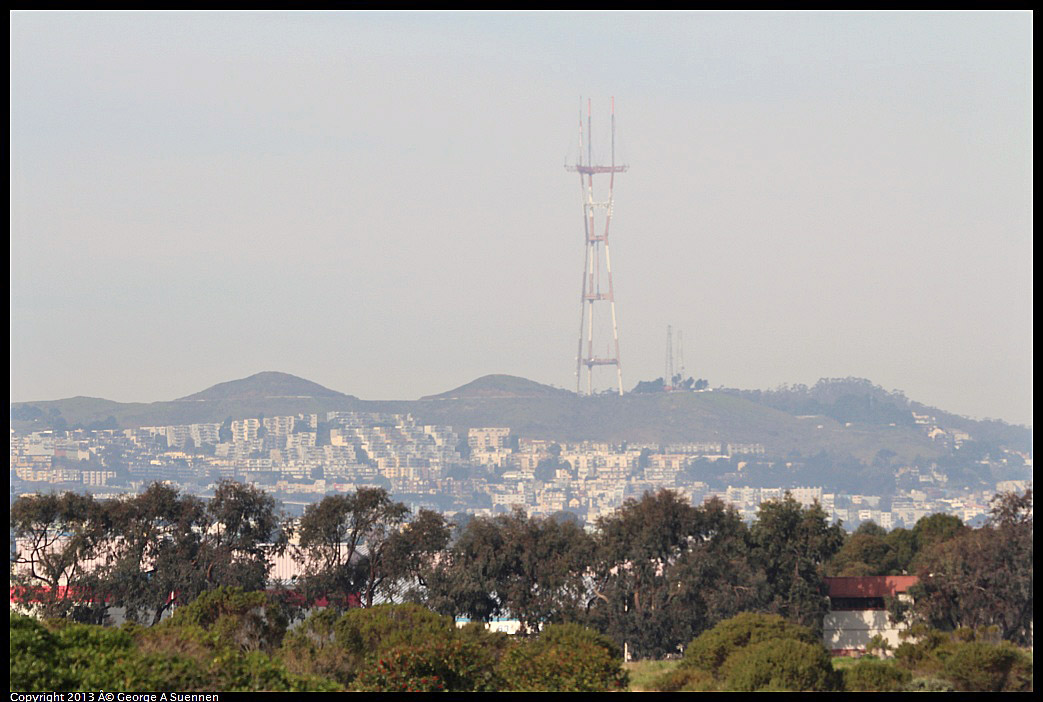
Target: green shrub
255 671
96 656
922 650
371 630
683 679
754 651
229 671
564 658
83 657
437 666
911 656
928 684
36 658
313 648
150 671
570 634
983 667
234 617
475 633
878 645
712 648
780 664
965 660
338 647
868 675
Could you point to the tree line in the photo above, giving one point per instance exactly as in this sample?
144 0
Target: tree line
653 575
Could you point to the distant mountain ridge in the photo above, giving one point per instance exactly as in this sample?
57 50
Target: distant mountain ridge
848 416
267 393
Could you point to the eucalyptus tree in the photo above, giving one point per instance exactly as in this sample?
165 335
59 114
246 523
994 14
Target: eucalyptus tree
146 553
982 577
341 543
149 560
56 536
412 558
791 544
534 569
664 571
245 530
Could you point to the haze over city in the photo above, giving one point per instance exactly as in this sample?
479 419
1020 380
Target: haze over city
376 201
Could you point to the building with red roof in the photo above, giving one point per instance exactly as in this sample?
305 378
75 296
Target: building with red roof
858 611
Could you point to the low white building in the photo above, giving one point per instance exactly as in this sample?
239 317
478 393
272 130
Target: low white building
858 612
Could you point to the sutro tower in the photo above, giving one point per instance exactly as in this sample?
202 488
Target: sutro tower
595 289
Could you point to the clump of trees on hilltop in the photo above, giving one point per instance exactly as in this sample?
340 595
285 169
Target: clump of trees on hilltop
677 383
653 576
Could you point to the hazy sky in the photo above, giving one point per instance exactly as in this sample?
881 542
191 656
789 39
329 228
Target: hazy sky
377 201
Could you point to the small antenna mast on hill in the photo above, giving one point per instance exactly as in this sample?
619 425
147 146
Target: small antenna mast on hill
680 353
668 375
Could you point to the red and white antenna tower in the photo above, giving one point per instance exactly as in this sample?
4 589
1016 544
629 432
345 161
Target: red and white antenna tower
595 213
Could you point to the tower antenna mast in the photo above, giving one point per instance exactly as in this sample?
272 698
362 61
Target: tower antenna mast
596 212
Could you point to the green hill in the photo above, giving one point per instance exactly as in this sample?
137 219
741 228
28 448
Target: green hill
499 386
266 385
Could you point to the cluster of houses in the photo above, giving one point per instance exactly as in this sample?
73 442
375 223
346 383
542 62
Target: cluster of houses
482 470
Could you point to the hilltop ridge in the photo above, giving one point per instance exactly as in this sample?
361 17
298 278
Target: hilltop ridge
265 385
499 386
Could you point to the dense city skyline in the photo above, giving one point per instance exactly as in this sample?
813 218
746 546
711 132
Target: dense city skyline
376 201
